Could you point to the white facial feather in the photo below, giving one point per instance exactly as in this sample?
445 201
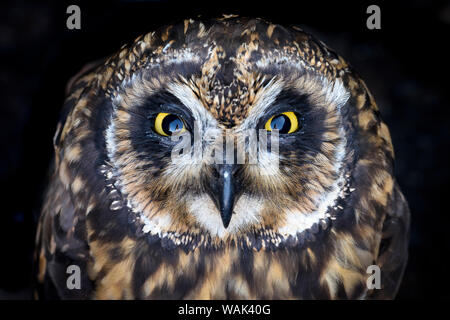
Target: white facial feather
246 212
190 101
263 101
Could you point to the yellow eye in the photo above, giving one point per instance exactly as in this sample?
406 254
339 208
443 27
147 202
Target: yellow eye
167 124
286 122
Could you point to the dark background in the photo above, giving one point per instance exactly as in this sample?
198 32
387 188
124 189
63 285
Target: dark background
405 65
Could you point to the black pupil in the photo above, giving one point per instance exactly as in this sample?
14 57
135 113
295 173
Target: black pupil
282 123
171 124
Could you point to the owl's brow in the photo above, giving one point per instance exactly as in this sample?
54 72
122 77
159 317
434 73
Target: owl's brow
187 97
263 101
317 88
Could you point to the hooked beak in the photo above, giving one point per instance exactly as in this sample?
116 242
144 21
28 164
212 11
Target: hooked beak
224 190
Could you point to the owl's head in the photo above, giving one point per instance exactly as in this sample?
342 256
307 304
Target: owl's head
230 130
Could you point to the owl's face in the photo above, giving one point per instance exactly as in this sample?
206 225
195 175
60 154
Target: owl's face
178 122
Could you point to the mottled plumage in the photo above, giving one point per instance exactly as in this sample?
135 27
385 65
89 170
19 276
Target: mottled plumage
142 226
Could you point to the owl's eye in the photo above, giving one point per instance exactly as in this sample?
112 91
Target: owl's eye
167 124
286 122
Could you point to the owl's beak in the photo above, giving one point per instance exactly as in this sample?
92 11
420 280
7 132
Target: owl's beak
223 192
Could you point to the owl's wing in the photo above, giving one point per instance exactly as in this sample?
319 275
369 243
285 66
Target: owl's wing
61 239
393 252
61 242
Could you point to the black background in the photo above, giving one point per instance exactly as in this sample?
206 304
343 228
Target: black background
405 65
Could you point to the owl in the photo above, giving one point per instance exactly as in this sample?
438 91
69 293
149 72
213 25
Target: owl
230 158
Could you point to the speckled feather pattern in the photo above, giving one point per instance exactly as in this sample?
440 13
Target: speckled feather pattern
113 211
